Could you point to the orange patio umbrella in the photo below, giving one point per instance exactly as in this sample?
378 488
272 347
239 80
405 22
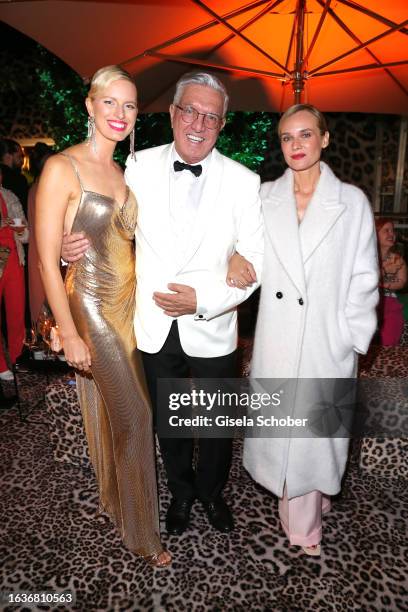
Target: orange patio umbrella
341 55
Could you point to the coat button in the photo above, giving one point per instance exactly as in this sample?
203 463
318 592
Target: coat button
300 300
279 295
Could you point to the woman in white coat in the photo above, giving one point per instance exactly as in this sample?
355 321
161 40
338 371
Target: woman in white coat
316 312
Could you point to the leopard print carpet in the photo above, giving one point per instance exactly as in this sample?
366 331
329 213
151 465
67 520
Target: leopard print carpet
53 539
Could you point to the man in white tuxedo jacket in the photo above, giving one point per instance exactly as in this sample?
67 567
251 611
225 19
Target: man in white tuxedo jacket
195 208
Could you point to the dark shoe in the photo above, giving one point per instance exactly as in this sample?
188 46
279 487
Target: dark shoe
7 402
219 515
178 516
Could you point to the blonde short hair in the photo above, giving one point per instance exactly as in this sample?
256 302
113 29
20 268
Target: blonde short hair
105 76
296 108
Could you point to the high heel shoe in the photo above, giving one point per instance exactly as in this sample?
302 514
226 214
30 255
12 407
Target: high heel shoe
155 561
312 551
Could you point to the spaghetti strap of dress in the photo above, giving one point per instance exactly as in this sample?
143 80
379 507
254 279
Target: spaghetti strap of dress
71 159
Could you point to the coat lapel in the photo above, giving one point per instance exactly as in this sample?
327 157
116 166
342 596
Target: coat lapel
323 210
281 224
209 201
162 198
294 244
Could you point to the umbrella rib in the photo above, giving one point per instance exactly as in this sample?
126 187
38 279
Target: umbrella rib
370 13
248 23
270 6
292 38
238 33
365 67
225 67
317 32
193 32
362 46
341 23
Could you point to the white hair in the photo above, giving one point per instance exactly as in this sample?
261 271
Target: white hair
201 78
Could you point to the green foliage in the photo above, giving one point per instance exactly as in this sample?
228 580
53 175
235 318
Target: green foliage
244 138
152 129
62 95
62 98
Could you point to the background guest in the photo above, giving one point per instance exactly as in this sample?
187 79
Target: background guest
12 235
38 156
12 157
393 276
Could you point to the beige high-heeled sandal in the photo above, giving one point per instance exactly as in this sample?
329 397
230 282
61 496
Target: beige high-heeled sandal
155 561
312 551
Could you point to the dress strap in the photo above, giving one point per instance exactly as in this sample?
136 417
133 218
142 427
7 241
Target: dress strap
71 159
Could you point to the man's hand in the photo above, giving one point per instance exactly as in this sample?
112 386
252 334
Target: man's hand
73 247
182 301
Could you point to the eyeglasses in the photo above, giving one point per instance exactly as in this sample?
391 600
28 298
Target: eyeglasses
190 114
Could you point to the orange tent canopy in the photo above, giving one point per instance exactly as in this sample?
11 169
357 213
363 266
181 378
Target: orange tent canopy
341 55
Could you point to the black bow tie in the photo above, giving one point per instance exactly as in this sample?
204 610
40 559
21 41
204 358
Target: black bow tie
196 170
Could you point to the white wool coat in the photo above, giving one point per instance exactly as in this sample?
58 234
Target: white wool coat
317 311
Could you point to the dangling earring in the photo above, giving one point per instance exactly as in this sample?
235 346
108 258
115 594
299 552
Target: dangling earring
91 134
132 144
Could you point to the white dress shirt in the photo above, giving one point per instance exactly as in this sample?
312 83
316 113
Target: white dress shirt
186 190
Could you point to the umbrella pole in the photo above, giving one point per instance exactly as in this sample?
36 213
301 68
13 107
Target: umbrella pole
298 74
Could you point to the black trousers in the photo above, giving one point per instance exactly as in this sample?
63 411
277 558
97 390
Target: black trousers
214 455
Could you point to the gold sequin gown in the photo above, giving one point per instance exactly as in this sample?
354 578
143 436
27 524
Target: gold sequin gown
114 404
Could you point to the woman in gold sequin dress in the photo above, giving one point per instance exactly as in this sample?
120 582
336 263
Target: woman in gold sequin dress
83 190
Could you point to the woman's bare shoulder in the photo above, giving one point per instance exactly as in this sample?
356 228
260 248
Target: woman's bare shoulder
62 162
59 171
76 153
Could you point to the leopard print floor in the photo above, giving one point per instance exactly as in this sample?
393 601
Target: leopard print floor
53 539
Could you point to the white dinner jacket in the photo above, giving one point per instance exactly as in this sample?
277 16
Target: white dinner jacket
228 219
